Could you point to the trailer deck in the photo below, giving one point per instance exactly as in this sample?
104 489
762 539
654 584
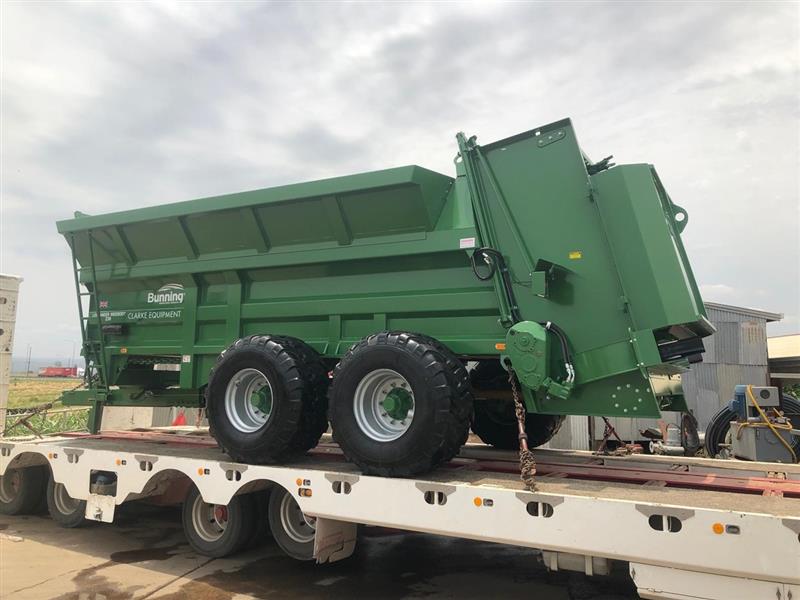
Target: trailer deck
689 527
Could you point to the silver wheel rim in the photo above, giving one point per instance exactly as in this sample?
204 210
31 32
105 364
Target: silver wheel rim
248 400
9 486
209 520
372 397
65 504
297 525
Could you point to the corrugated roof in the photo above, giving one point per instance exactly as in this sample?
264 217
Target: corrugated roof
750 312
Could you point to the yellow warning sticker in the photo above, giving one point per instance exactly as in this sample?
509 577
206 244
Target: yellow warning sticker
575 255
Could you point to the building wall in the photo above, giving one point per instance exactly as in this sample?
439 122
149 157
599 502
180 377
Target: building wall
735 354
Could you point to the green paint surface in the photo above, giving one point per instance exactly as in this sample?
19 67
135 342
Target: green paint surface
332 261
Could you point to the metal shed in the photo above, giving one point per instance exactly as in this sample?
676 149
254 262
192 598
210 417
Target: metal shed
735 354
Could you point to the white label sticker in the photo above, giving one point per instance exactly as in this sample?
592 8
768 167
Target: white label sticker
187 358
465 243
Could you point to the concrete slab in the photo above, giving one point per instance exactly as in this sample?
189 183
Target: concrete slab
144 556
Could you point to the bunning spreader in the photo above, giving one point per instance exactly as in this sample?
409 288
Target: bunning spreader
359 300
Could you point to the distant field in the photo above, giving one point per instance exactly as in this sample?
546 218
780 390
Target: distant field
32 391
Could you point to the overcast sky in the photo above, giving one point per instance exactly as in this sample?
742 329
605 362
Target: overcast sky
110 106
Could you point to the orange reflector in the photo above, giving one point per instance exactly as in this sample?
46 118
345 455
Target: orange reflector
49 455
718 528
118 461
299 482
477 501
500 346
200 471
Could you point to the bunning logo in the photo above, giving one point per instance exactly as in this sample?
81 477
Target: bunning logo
170 293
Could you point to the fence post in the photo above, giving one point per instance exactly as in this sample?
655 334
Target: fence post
9 292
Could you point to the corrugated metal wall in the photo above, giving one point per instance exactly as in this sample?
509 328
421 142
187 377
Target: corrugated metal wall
735 354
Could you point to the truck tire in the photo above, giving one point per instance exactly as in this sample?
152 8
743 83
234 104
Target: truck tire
292 530
720 425
266 399
63 508
396 407
495 421
462 410
217 530
22 490
260 531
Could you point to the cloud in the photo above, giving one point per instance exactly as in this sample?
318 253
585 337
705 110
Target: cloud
110 106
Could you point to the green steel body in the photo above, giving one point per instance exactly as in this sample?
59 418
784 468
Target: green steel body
595 250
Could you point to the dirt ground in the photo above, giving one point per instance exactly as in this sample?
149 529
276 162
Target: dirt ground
144 555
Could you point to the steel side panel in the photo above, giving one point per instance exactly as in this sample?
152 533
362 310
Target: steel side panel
665 583
592 526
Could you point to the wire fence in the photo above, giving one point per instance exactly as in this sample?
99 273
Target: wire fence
44 420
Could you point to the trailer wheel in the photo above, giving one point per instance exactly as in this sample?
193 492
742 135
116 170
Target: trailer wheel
495 421
396 407
63 508
266 399
217 530
293 531
462 411
22 490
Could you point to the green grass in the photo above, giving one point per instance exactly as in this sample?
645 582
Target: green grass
29 392
25 392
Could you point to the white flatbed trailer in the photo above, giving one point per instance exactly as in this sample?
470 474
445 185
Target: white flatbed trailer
688 527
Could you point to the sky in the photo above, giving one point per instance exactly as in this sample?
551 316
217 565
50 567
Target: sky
111 106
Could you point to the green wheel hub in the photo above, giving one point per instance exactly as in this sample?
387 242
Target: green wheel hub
397 403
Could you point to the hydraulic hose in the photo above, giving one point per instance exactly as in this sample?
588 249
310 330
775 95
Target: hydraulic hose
773 427
494 260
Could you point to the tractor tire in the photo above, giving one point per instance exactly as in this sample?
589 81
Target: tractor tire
398 404
720 425
495 421
266 399
291 529
462 410
22 490
63 508
217 530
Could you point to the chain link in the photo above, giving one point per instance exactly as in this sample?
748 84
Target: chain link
527 464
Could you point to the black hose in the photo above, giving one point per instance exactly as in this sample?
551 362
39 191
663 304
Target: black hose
494 260
720 424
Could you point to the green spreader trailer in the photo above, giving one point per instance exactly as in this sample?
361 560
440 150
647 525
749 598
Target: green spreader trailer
392 305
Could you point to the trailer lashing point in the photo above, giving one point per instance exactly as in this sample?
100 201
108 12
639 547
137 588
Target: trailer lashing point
233 475
342 484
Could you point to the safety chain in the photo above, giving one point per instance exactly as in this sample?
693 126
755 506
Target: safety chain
527 464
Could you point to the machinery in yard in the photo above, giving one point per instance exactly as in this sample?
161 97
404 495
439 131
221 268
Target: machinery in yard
757 424
533 258
689 528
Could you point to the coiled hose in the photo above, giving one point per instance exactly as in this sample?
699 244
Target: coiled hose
720 424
